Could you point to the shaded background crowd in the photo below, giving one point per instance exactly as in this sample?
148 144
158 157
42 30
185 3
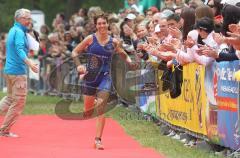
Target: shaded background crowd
176 34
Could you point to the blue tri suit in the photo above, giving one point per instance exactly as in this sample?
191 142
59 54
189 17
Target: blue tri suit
102 81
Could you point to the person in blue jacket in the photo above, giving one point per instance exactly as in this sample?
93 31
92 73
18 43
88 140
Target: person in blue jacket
15 71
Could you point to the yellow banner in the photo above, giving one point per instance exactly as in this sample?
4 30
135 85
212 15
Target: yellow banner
189 109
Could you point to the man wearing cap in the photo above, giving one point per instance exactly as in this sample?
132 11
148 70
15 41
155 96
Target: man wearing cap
130 19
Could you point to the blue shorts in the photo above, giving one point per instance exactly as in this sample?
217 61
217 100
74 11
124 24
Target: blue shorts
103 82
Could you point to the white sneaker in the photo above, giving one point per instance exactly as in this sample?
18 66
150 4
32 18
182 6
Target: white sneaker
98 145
191 143
177 137
171 134
8 134
4 89
184 140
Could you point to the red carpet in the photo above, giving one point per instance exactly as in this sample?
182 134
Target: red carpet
51 137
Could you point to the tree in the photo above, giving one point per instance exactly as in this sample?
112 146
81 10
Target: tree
72 7
51 8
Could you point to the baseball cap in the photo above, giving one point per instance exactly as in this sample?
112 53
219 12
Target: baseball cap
131 16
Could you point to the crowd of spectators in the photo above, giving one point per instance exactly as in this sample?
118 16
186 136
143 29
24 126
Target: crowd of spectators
176 34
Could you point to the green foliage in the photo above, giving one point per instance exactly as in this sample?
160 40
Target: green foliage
7 8
106 5
51 8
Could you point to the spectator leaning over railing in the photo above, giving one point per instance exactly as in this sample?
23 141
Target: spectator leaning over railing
231 18
176 42
128 37
15 71
69 41
205 28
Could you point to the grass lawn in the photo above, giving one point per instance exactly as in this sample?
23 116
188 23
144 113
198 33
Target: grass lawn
145 132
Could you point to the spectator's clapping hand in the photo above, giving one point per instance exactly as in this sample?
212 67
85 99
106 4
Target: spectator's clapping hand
140 55
208 51
189 43
144 46
218 38
175 32
166 56
234 28
172 45
134 65
176 43
152 40
234 40
168 47
234 35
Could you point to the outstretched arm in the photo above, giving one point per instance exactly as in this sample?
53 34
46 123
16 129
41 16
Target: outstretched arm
80 48
121 52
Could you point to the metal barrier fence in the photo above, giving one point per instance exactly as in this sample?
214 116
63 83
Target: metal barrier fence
58 76
2 81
